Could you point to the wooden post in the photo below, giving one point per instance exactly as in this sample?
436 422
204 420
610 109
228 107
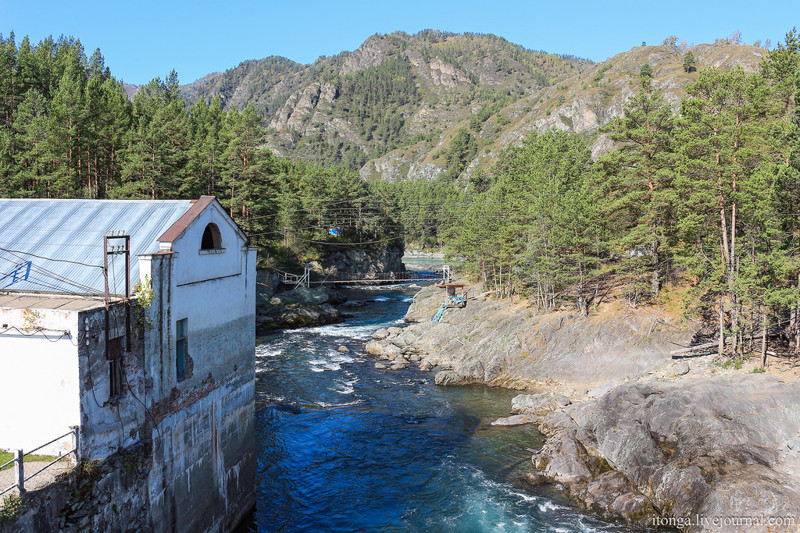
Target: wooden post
721 346
19 471
764 340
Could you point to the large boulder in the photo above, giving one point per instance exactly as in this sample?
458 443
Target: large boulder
691 447
383 348
310 295
380 334
448 377
535 404
514 420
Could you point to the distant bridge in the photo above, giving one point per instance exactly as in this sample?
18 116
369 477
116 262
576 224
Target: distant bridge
347 278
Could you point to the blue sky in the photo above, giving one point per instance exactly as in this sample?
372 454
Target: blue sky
144 39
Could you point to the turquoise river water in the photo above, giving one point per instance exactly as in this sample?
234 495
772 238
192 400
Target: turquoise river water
345 447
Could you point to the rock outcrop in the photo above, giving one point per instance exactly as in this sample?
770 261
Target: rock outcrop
367 263
641 438
716 447
297 308
505 344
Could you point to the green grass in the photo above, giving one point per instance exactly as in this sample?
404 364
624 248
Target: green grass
737 364
7 456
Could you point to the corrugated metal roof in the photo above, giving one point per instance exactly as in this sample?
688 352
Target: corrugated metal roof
67 237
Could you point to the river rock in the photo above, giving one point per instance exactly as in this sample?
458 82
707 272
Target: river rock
380 366
394 330
681 369
380 334
301 316
310 295
382 348
537 404
602 389
447 377
689 447
399 366
330 312
514 420
354 303
343 349
425 366
392 350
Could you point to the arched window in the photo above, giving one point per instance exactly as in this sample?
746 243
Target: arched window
212 240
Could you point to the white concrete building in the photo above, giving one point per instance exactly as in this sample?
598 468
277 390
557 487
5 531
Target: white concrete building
171 369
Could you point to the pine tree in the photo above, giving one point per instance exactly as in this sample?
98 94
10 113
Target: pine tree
723 138
688 62
637 192
246 173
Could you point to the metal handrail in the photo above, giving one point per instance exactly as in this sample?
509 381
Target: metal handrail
20 459
51 442
74 450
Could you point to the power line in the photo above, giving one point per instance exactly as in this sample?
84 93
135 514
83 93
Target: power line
671 138
50 258
48 273
519 212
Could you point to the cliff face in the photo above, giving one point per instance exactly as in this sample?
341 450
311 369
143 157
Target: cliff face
367 263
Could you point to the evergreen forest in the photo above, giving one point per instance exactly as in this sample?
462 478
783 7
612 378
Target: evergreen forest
701 205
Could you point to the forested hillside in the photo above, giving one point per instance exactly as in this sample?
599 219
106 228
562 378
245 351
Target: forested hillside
394 91
698 206
694 200
439 104
68 130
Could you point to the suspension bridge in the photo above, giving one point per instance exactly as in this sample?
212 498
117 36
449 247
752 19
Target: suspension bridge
309 277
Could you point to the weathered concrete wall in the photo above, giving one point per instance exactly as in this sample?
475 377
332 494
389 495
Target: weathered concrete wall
33 363
108 495
204 437
204 475
110 424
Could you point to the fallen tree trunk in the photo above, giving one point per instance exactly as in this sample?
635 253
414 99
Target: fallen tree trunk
694 348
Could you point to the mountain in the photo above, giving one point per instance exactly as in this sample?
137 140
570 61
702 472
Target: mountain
580 104
420 106
393 91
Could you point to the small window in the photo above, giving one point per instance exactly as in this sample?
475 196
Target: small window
180 349
212 240
114 367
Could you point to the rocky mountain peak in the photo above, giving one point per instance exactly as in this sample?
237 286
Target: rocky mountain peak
391 107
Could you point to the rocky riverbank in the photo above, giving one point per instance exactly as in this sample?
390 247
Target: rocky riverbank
633 434
279 307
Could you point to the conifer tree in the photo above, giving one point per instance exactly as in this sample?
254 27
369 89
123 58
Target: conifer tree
638 193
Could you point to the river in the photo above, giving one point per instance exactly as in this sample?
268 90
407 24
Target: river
345 447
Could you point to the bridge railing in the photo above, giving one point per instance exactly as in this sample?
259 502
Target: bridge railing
382 277
359 277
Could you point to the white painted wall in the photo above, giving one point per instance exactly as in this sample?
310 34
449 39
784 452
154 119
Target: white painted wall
195 265
216 293
38 382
